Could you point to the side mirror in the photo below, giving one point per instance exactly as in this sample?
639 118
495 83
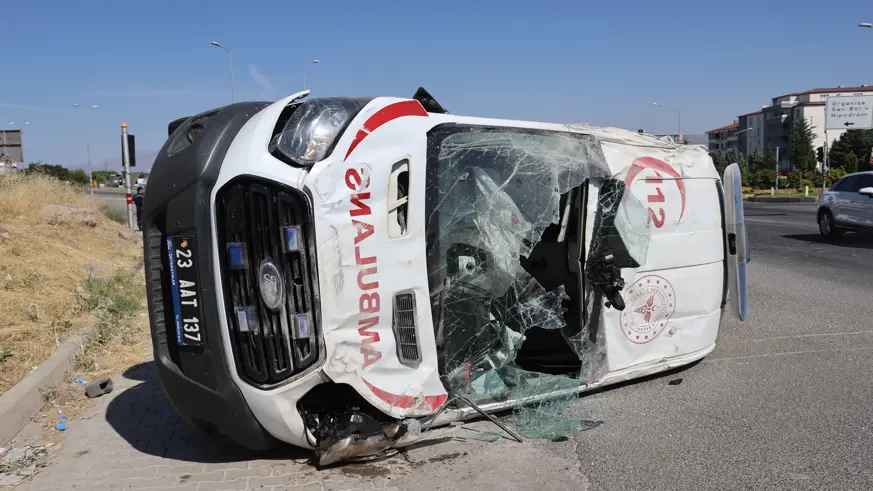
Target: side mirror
866 191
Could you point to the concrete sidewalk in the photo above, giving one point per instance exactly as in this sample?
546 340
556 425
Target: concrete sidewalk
133 440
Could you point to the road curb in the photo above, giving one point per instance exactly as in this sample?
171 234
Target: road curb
768 199
24 399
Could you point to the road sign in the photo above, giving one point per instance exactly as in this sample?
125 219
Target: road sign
853 112
131 145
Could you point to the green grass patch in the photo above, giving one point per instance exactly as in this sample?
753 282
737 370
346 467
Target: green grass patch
114 301
114 215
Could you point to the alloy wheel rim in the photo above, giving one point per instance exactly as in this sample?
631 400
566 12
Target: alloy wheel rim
825 224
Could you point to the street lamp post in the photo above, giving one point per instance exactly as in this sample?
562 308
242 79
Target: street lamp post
232 84
88 146
678 118
866 25
312 62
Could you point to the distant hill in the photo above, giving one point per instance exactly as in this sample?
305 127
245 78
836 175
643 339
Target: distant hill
144 160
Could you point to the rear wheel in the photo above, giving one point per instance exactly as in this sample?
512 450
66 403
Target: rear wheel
826 225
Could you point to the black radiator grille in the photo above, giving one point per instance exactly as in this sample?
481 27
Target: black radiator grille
254 214
405 329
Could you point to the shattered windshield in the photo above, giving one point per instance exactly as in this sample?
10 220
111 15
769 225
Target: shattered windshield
515 293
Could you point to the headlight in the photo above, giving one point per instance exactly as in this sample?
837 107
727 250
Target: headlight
313 128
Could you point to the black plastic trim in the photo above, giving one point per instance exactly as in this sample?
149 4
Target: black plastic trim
197 381
721 197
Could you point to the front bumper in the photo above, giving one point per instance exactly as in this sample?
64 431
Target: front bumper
199 384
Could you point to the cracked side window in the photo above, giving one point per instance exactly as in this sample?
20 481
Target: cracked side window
516 296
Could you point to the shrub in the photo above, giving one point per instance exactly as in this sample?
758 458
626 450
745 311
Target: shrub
762 179
834 175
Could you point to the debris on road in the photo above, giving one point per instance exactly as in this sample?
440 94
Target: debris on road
17 464
675 381
98 388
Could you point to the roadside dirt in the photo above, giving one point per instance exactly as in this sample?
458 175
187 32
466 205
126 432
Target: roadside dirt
65 261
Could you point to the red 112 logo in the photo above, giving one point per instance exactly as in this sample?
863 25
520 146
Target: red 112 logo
654 195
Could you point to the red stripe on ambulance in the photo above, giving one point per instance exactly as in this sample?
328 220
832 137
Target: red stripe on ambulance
384 115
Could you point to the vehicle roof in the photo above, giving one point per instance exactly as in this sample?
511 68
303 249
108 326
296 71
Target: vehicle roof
603 133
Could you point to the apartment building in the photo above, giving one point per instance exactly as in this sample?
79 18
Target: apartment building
723 139
750 134
770 127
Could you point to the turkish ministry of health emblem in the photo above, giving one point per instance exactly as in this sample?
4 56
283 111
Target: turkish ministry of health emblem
651 302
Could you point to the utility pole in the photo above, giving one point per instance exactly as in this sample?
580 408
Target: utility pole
125 160
824 163
232 83
88 145
777 168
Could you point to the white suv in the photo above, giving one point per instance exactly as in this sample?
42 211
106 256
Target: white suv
847 205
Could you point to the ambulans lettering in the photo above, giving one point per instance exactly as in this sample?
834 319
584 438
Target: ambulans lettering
369 303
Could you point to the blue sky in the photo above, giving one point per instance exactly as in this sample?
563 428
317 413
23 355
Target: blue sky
600 62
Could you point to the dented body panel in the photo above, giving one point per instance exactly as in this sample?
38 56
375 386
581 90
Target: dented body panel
483 209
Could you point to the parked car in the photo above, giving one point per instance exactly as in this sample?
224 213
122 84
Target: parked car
344 273
847 205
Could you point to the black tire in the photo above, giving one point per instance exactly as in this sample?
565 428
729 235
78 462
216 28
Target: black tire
827 226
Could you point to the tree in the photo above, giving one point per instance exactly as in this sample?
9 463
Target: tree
757 161
719 160
802 152
79 176
103 175
722 159
57 171
769 161
851 163
858 142
734 156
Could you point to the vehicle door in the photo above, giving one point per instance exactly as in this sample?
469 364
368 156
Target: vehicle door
862 204
842 204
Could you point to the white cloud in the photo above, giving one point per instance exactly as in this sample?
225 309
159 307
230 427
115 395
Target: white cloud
264 82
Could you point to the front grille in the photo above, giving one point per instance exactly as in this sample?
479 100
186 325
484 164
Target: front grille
275 344
404 329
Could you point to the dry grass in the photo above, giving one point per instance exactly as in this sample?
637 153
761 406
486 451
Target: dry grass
44 292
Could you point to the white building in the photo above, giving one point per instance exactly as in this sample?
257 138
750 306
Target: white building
770 128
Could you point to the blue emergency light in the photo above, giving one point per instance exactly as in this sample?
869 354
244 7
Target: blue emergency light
291 236
245 318
302 321
237 255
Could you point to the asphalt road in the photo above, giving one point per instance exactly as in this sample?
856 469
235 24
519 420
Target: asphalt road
112 192
784 402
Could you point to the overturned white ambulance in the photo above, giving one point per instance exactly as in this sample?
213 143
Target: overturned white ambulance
344 273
